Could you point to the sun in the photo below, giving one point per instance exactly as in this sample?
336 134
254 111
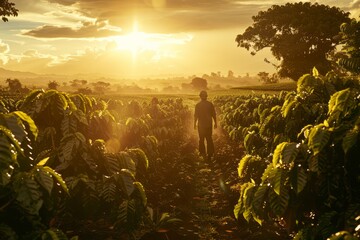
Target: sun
136 42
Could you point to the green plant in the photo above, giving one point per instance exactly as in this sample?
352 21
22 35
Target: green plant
29 190
310 183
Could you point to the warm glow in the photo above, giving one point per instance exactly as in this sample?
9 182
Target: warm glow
136 42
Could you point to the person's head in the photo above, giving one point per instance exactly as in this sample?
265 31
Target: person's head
203 95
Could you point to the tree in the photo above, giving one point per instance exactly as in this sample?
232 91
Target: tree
14 85
101 87
299 35
7 9
266 78
76 83
199 83
53 85
350 38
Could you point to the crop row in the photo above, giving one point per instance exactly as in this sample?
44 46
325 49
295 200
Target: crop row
301 164
66 160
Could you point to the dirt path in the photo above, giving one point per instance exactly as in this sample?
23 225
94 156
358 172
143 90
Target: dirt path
198 191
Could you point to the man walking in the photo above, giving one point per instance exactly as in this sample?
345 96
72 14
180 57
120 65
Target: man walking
203 118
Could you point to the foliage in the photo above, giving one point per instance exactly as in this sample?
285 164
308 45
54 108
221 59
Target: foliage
307 174
350 35
199 83
102 149
101 87
14 85
53 85
300 35
265 77
29 189
7 9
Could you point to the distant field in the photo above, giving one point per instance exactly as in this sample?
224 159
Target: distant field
192 97
284 86
256 89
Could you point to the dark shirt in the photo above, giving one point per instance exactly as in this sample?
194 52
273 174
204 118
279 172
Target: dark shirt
204 113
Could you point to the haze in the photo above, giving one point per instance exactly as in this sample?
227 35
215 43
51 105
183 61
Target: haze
134 38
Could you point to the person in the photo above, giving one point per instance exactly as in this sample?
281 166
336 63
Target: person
204 117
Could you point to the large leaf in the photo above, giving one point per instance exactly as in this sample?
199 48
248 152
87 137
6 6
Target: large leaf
109 191
278 180
31 103
127 180
240 206
307 83
27 120
259 201
44 178
243 164
57 177
68 124
268 174
313 163
28 194
319 137
57 99
288 107
299 179
126 162
340 104
140 188
140 158
11 139
127 215
285 153
350 139
70 146
279 203
112 164
8 160
247 199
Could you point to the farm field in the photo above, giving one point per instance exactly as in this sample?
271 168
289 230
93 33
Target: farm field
105 106
128 167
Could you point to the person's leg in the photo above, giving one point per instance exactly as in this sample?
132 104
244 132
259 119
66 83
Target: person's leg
209 143
202 143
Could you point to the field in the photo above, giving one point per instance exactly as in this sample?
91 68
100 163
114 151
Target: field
128 167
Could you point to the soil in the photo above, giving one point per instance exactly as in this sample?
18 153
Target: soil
202 193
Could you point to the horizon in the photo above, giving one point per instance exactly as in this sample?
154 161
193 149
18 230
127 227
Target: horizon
127 40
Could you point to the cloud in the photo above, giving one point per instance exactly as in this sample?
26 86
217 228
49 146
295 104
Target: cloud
97 29
4 48
167 16
162 16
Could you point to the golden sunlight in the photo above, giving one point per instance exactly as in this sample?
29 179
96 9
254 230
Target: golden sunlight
136 42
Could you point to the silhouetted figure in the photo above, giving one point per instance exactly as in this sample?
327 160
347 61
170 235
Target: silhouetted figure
203 119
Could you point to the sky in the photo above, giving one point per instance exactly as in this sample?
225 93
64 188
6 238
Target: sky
136 38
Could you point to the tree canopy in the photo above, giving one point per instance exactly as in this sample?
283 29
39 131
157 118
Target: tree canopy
14 85
350 38
7 9
299 35
199 83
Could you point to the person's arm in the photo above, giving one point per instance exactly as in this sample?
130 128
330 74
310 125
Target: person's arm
215 122
214 117
196 118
